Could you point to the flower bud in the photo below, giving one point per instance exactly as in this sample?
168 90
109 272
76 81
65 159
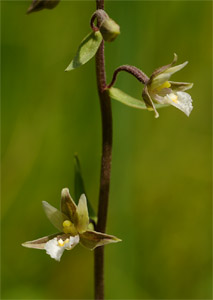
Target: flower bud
41 4
109 30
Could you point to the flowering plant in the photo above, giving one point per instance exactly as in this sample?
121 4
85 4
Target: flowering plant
72 221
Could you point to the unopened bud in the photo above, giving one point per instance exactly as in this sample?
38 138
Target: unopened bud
41 4
109 30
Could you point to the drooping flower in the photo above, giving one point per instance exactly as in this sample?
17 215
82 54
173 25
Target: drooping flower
73 225
159 89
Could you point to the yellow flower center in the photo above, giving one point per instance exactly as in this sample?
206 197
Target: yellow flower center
67 223
173 97
165 85
69 227
61 243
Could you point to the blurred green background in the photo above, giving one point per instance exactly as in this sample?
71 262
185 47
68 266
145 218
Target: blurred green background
160 198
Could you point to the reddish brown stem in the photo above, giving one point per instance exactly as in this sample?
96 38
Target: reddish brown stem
137 73
100 15
106 116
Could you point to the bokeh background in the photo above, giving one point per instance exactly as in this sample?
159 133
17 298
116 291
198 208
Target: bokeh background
160 198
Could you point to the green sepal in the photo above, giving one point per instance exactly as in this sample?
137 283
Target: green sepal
82 215
87 49
79 187
109 30
93 239
180 86
54 215
162 74
148 101
128 100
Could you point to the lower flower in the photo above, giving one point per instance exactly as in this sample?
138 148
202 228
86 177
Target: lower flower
73 222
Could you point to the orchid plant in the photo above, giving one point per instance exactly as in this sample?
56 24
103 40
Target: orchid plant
73 221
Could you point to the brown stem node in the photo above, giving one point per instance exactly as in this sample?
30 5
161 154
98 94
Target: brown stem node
101 16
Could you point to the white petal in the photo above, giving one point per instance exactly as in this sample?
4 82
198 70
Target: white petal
181 100
73 241
55 250
164 76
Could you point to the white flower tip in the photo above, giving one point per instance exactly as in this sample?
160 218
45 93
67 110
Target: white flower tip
116 240
82 213
82 203
156 115
83 198
82 206
175 57
25 245
155 111
185 63
188 112
65 192
45 205
181 66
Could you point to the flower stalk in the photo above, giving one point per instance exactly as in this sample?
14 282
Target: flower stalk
137 73
106 116
76 223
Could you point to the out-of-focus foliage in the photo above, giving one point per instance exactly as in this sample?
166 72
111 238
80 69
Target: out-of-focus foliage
160 199
79 187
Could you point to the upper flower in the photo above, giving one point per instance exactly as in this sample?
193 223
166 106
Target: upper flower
73 223
163 91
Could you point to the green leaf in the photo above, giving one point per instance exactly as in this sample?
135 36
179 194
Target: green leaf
126 99
80 188
86 50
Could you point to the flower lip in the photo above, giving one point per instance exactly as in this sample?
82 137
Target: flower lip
56 247
180 100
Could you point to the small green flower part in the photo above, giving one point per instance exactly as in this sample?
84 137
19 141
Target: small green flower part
74 226
159 89
109 30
